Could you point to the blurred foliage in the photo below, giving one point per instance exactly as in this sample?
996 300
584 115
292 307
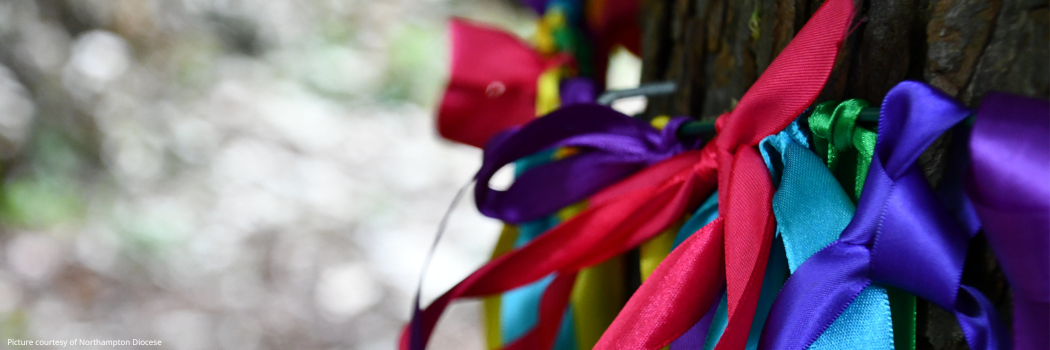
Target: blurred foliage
229 174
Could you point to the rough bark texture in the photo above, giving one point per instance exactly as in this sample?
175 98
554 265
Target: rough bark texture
715 50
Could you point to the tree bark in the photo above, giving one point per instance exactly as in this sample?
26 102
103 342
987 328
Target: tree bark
715 50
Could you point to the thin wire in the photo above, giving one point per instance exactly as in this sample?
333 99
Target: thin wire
440 232
649 89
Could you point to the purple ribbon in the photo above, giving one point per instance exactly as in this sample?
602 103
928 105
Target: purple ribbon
540 6
1010 190
900 236
576 91
612 147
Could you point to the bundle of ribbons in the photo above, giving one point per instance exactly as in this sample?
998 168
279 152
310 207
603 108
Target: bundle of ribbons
791 224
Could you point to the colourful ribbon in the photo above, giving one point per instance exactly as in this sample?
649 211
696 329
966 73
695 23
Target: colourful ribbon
637 208
812 209
1010 164
514 313
613 146
493 83
900 236
848 148
688 282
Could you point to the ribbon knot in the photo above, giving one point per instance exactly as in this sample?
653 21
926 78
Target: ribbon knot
845 146
901 236
641 206
737 244
612 147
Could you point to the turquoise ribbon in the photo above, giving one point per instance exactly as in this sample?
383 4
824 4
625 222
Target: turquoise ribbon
812 210
519 307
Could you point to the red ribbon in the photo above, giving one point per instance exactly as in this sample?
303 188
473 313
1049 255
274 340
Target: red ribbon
641 206
651 319
492 84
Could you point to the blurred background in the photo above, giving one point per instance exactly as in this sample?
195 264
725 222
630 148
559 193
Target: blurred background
234 174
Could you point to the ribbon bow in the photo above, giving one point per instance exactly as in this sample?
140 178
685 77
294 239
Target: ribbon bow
733 249
848 148
613 145
900 236
641 206
493 83
812 209
1009 167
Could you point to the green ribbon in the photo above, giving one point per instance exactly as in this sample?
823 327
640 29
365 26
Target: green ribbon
848 148
812 210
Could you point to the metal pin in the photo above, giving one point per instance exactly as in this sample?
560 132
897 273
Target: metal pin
650 89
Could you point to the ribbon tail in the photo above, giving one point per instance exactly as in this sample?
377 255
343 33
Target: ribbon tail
598 233
416 334
546 188
674 297
829 280
1007 183
750 227
596 128
696 336
792 81
980 321
552 311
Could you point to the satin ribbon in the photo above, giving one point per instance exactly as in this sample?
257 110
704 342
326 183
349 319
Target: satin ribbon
900 236
492 84
514 313
812 209
637 208
848 148
688 282
714 321
613 145
1008 185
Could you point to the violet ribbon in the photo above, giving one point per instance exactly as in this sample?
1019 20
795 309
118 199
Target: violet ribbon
611 147
1009 168
900 236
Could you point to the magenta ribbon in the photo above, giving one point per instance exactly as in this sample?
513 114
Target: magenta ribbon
612 147
1009 185
901 235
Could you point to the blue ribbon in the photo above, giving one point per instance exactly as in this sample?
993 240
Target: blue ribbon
900 236
812 209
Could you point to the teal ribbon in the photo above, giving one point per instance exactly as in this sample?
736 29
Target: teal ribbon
812 210
518 312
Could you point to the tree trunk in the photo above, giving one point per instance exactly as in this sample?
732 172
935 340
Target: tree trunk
715 49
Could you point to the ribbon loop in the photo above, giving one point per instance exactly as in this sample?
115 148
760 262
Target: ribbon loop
846 114
920 113
919 247
812 209
488 93
845 146
613 147
787 87
915 244
1010 162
